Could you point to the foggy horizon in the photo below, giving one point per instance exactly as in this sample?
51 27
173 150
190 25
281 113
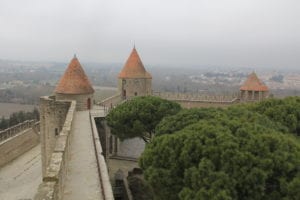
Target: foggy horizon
250 33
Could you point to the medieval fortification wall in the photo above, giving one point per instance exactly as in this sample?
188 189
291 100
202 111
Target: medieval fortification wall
81 99
193 100
135 86
56 127
22 138
111 101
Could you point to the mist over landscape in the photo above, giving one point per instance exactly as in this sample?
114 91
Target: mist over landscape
252 33
144 100
178 41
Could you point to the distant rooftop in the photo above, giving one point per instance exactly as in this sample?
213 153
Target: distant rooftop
254 84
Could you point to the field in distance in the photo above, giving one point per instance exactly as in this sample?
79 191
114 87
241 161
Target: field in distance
8 108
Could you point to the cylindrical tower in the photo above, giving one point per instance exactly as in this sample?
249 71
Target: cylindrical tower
134 80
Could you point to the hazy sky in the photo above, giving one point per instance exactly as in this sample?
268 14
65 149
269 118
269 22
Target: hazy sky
250 33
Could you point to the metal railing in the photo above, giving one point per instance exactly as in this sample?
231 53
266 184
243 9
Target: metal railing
14 130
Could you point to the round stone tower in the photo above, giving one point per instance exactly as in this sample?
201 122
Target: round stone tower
75 85
253 89
134 80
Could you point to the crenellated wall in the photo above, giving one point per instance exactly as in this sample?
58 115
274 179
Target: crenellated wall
205 104
191 100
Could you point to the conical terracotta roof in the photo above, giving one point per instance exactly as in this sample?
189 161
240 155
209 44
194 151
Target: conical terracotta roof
134 67
253 84
74 80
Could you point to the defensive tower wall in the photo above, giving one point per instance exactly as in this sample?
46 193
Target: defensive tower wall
134 80
82 100
56 126
135 87
53 119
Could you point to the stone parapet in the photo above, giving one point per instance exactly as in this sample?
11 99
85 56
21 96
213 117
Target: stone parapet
56 170
16 129
190 100
18 143
196 97
47 191
81 100
111 101
101 164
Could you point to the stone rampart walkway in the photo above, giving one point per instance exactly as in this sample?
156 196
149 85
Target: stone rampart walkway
82 180
20 178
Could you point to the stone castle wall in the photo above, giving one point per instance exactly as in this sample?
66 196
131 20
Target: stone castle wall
17 145
204 104
135 87
55 115
52 118
101 164
193 100
111 101
81 99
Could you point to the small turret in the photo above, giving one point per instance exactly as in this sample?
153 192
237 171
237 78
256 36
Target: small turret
75 85
134 80
253 89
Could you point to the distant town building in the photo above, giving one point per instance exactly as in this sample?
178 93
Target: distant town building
253 89
134 80
75 85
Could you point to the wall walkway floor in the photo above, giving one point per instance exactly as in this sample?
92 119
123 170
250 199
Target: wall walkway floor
20 178
82 180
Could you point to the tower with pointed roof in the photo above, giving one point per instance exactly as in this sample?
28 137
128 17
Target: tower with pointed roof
75 85
134 80
253 89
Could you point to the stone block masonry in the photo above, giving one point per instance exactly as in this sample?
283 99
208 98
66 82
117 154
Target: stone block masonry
17 145
56 126
111 101
81 100
53 117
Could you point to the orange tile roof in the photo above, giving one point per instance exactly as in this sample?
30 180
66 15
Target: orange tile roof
74 80
254 84
134 67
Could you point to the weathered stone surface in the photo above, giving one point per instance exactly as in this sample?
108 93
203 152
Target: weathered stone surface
61 143
81 99
46 191
72 167
53 115
131 148
21 178
54 168
17 145
82 181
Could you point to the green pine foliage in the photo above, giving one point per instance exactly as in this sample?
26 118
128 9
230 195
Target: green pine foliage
139 117
244 152
284 111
